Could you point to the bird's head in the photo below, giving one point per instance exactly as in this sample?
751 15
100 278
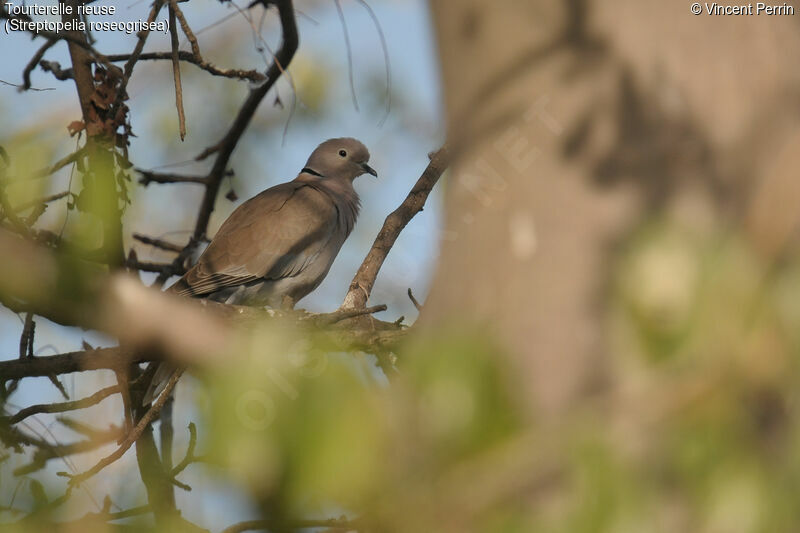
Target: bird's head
344 158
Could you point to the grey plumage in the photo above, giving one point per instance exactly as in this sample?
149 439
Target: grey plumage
278 246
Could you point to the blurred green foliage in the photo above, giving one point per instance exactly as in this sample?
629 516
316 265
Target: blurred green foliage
305 438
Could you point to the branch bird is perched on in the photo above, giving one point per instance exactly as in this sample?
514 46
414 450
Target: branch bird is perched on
278 246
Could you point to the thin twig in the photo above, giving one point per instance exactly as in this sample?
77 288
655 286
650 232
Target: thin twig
414 300
134 57
47 451
187 31
349 52
189 57
22 87
80 427
256 33
58 385
150 415
158 243
61 163
127 513
144 266
26 74
386 62
176 68
189 458
343 314
106 516
62 407
149 177
41 201
54 67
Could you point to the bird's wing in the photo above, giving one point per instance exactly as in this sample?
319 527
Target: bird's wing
273 235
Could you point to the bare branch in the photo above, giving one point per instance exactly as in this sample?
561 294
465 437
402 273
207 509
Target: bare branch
109 516
343 314
26 74
58 385
62 407
54 67
61 163
77 479
364 280
160 268
187 31
134 57
349 48
101 160
414 300
158 243
251 75
386 62
228 143
190 457
41 201
67 363
22 87
47 451
379 337
149 177
176 68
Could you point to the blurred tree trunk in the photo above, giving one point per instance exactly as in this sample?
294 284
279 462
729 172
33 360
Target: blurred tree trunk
575 121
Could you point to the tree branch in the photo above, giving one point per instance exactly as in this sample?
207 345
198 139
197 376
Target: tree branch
77 479
47 451
250 75
364 280
26 74
226 146
379 337
62 407
149 177
67 363
54 67
176 68
158 243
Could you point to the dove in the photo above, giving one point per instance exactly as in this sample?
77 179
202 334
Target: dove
278 246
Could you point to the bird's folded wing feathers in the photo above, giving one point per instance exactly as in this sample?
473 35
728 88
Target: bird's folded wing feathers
273 235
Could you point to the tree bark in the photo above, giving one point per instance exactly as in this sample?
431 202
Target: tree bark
573 121
101 160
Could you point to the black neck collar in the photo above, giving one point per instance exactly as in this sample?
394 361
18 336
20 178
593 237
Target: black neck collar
312 172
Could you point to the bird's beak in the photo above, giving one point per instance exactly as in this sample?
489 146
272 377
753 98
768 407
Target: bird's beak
368 169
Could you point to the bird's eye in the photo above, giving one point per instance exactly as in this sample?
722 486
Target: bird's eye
342 153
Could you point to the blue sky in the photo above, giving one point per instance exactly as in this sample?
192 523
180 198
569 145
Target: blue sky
264 157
